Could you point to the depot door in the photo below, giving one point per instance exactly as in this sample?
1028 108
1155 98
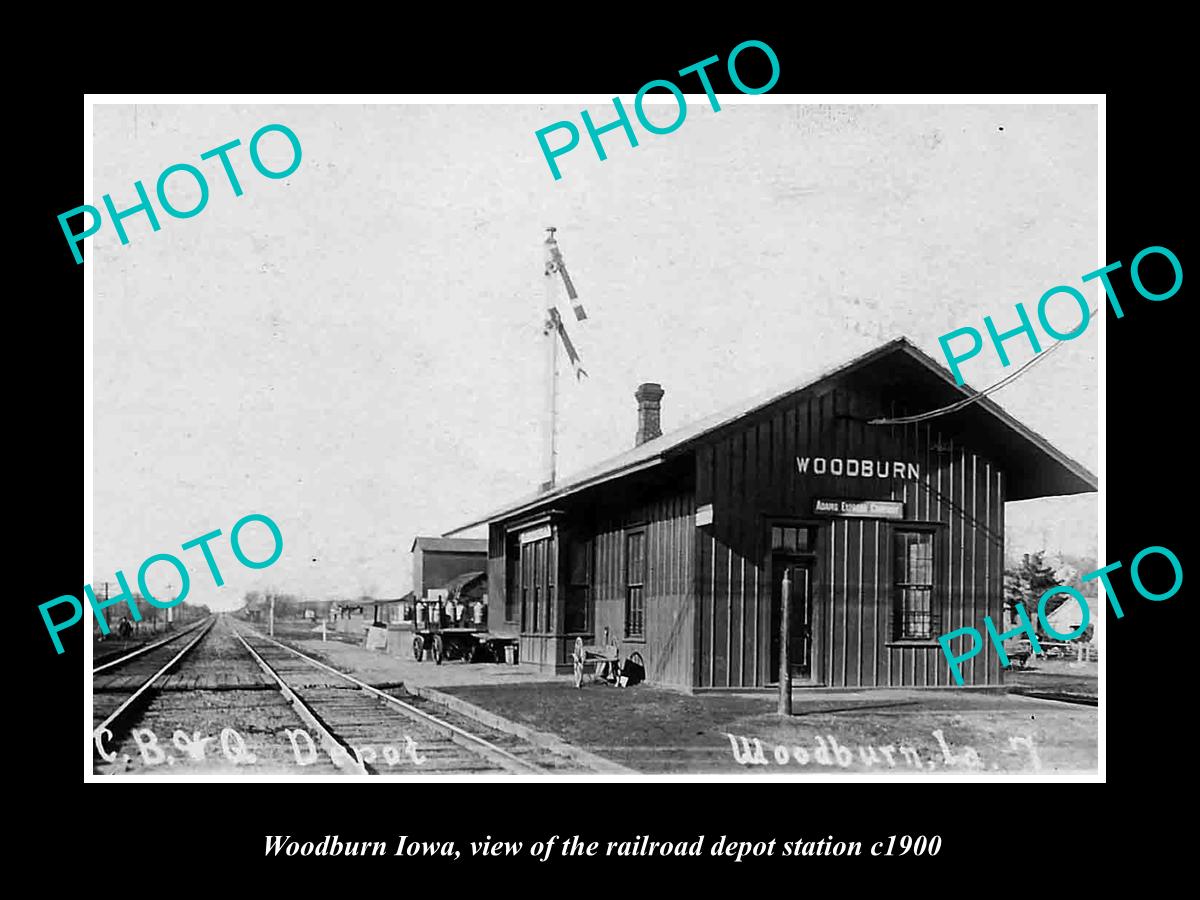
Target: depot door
537 574
800 620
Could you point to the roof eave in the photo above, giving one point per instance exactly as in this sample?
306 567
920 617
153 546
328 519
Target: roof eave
527 506
1077 469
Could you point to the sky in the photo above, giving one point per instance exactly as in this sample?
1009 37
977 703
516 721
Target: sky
355 350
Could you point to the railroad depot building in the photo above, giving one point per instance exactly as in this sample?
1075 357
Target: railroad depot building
893 534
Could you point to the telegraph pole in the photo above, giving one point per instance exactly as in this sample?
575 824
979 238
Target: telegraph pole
106 621
551 424
549 421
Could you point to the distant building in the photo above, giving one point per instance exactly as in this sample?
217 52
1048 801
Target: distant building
1068 616
394 611
316 610
257 608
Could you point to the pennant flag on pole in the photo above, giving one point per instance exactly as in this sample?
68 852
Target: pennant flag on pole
554 263
572 355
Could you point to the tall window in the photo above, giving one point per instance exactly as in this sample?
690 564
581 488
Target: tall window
635 584
579 581
912 572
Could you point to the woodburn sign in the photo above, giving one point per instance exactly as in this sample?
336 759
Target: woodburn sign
858 468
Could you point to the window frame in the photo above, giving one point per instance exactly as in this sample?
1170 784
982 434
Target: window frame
630 533
937 585
796 525
811 560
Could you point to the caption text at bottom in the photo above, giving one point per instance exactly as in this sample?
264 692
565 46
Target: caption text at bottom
573 846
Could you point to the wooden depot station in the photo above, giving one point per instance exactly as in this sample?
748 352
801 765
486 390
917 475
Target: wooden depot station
890 535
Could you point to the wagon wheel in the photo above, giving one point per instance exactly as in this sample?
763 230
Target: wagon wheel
437 649
418 648
577 660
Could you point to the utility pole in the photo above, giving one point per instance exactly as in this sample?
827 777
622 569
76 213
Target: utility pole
271 619
550 415
550 421
106 621
785 663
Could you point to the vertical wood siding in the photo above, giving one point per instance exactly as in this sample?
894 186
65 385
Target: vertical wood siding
749 474
670 626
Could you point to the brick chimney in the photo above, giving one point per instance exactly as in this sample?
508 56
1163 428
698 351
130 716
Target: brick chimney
648 397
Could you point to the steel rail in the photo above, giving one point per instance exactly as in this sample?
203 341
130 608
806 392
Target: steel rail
148 647
339 751
460 736
103 726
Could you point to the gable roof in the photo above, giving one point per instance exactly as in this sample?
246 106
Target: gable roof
1069 615
450 545
1036 467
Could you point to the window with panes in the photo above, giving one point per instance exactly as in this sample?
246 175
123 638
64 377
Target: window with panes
913 574
635 584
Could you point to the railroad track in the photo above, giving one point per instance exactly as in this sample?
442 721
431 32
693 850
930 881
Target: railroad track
199 703
358 716
223 696
131 677
114 659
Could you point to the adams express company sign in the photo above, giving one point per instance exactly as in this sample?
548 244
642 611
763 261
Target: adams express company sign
867 509
857 468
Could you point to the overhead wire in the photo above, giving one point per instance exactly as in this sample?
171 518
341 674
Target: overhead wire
974 398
